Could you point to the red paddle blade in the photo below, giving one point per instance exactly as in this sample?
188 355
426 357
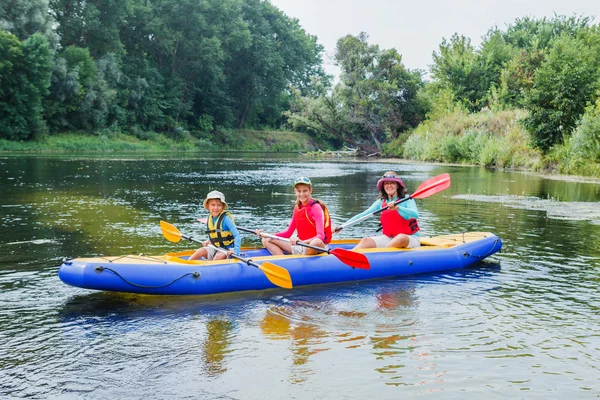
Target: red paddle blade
355 260
432 186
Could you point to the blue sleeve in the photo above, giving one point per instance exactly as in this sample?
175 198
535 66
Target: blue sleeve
228 225
374 207
408 209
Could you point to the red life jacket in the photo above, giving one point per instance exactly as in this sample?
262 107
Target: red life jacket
305 221
393 223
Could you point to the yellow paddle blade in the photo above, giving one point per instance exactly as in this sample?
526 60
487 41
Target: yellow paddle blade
169 231
277 275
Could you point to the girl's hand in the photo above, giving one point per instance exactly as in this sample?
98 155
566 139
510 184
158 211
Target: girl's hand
393 206
206 243
293 241
335 230
258 232
229 253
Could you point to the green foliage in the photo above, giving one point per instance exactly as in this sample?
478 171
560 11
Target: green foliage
164 64
94 25
565 82
458 67
580 154
23 18
585 143
375 100
24 80
516 78
488 139
537 34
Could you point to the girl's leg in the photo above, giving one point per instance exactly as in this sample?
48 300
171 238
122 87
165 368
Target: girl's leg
365 243
316 243
277 247
400 241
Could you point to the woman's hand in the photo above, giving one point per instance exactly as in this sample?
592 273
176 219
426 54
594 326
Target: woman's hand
230 253
336 229
206 243
258 232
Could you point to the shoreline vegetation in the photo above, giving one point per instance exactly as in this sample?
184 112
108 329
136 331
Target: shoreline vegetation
512 153
245 140
241 75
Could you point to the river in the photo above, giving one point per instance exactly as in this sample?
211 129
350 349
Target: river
523 324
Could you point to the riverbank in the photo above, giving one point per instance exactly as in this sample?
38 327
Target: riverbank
492 139
244 140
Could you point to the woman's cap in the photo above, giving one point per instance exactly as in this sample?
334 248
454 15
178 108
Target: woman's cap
302 180
390 177
215 195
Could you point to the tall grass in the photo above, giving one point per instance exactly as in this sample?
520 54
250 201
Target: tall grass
487 138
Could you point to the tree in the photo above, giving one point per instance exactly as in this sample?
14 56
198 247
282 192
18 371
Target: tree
566 81
458 67
378 92
280 54
24 18
25 70
94 24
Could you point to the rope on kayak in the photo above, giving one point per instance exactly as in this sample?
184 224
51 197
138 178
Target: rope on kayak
195 275
141 257
465 254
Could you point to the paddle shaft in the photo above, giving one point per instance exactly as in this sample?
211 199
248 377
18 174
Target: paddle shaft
355 260
347 224
267 235
428 188
246 260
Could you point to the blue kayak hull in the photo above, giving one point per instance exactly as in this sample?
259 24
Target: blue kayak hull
174 275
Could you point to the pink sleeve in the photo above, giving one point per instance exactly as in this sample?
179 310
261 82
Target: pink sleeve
317 212
289 230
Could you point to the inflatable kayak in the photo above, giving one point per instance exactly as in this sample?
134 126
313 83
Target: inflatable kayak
174 274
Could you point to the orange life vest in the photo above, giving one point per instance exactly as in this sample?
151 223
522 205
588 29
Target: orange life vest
393 223
305 221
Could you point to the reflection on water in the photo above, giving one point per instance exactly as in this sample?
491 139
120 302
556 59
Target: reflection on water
218 338
523 324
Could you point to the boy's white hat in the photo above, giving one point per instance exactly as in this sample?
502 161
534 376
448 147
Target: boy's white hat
215 195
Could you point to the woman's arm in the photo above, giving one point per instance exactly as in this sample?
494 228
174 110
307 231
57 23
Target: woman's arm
408 209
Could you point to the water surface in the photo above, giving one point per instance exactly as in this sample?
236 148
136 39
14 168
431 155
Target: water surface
523 324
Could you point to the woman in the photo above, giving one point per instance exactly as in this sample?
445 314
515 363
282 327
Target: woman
310 219
399 222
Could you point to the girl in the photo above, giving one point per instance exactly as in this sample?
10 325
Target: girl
310 219
399 222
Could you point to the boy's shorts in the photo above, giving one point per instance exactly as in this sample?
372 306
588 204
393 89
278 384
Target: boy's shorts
213 252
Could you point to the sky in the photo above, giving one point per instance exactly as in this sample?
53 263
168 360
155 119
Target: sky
416 28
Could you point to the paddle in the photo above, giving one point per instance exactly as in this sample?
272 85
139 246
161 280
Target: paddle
355 260
277 275
428 188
